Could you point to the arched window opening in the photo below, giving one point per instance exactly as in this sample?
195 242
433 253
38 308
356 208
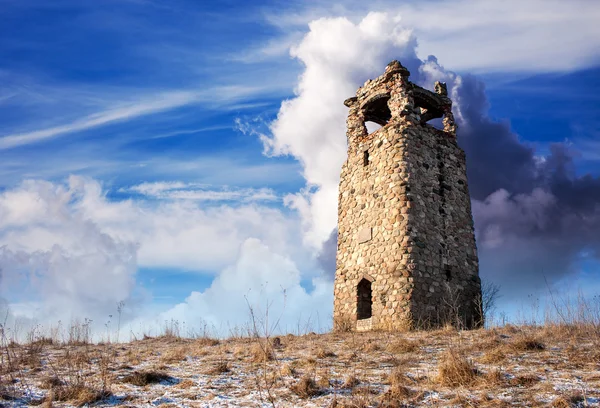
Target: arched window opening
364 307
429 107
377 110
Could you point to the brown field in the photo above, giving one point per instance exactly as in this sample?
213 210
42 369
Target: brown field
549 366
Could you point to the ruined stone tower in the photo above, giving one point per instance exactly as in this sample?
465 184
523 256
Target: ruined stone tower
406 254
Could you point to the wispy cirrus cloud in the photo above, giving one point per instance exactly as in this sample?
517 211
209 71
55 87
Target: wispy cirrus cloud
157 103
189 131
176 190
217 97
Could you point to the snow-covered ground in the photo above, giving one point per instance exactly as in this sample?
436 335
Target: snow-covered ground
509 366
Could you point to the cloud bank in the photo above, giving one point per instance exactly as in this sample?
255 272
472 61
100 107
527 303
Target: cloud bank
68 252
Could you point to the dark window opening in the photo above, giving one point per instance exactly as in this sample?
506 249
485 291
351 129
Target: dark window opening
448 275
429 107
364 298
366 158
377 110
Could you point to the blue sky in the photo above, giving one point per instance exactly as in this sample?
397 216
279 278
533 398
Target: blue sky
168 149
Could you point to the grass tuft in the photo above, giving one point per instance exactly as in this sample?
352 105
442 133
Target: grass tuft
402 345
79 394
306 387
455 370
220 367
143 378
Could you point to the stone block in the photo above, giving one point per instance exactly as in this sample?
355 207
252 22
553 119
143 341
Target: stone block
365 234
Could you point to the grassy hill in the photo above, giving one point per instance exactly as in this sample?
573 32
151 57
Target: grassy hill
551 365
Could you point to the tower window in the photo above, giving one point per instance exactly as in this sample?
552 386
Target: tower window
377 110
364 297
366 158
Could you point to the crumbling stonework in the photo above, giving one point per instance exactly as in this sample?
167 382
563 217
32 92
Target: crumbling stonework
406 254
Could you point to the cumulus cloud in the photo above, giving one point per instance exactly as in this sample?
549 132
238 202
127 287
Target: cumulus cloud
264 282
69 252
60 262
186 234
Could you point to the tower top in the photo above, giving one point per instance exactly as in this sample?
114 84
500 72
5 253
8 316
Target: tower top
392 98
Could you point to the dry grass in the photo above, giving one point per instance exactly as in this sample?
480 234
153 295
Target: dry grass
528 343
187 383
351 381
323 353
526 380
305 387
289 370
206 342
50 382
568 401
493 356
427 368
324 381
261 352
398 391
371 346
493 378
143 378
402 345
455 370
175 354
79 395
220 367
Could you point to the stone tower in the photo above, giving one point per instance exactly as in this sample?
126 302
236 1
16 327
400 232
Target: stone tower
406 255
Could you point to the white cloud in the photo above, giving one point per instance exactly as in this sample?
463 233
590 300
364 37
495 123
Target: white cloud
173 233
59 261
156 188
265 281
483 36
536 35
70 251
200 192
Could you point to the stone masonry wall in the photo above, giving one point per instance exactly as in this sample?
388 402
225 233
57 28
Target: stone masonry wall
404 212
